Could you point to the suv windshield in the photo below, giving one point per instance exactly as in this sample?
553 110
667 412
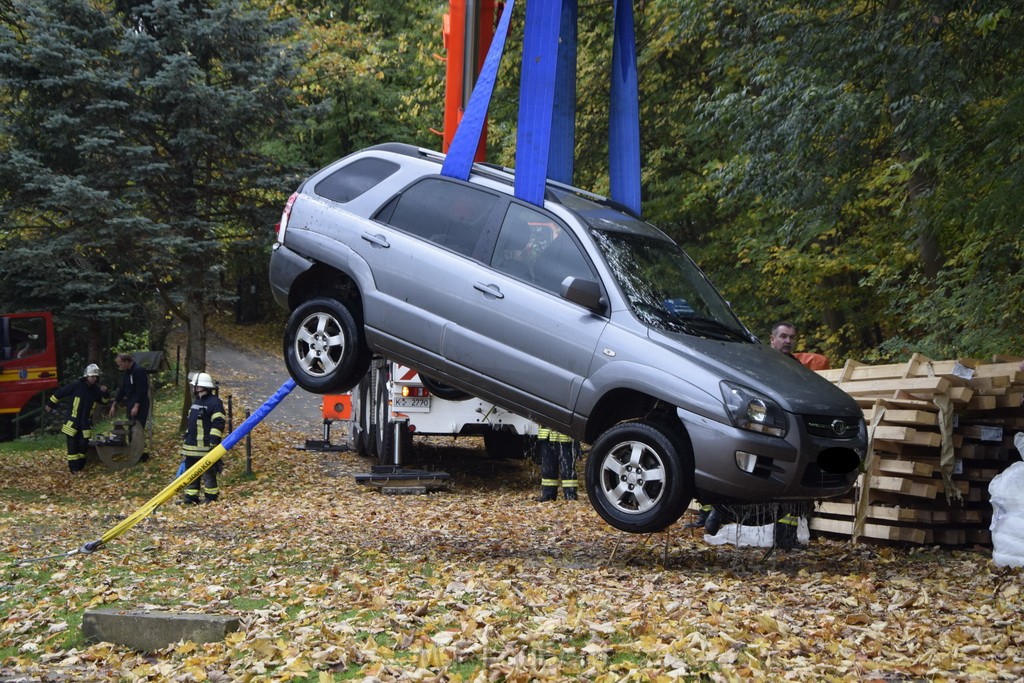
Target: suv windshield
665 288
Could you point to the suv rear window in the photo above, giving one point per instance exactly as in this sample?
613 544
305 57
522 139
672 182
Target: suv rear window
351 180
443 212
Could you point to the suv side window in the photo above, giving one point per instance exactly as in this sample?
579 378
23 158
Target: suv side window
352 180
446 213
533 247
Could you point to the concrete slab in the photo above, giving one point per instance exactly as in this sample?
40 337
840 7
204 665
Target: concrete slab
148 630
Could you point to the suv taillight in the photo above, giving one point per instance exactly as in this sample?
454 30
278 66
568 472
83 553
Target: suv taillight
283 223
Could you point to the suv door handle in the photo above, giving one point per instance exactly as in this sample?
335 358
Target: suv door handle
489 290
379 240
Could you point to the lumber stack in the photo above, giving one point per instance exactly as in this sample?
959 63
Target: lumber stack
939 431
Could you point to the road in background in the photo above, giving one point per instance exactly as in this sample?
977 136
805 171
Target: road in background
251 377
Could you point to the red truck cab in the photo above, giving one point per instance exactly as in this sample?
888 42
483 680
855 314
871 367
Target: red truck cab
28 365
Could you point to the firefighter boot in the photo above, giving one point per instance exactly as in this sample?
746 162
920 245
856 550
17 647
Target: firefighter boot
702 517
547 494
785 533
713 522
569 490
191 496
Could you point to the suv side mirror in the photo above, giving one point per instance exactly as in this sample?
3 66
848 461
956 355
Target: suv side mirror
586 293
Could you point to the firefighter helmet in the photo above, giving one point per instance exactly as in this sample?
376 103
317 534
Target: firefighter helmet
202 380
91 370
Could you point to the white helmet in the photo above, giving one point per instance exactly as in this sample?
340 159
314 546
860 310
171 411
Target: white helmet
91 370
201 379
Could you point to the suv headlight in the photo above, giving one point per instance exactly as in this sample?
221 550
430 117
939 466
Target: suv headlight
753 411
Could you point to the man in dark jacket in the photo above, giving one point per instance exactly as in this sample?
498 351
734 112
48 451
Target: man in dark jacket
82 395
134 391
204 430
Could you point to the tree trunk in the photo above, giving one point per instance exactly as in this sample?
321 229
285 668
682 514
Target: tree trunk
195 349
94 352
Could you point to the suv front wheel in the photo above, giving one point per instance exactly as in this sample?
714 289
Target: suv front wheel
324 347
637 476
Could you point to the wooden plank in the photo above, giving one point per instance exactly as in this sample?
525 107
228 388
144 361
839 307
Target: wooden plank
905 467
979 536
930 439
978 402
965 516
888 513
882 387
893 433
909 487
980 474
917 367
905 417
1013 400
1010 370
960 394
945 536
883 532
985 385
981 432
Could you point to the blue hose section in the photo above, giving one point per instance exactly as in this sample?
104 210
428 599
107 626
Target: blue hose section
257 417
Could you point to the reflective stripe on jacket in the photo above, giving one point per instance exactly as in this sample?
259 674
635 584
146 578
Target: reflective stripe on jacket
83 395
545 434
205 426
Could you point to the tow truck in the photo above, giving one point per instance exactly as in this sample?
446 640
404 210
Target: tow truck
28 369
431 409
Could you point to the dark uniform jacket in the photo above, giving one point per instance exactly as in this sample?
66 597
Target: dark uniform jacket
135 389
205 426
82 396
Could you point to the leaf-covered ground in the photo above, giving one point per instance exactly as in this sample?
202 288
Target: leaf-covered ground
334 581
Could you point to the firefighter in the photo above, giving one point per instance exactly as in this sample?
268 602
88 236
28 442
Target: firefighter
557 454
134 391
203 431
83 393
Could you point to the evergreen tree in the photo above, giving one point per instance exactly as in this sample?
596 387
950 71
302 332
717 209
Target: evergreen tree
68 222
213 81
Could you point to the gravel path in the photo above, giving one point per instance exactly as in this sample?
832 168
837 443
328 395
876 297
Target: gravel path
251 377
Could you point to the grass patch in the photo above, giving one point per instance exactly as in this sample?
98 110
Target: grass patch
247 604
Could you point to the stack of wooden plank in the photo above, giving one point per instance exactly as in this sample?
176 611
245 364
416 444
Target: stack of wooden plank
926 483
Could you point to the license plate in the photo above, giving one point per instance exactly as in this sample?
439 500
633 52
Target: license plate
412 402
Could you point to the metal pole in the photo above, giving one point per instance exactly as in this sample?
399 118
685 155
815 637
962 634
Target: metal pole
248 448
470 49
231 415
401 426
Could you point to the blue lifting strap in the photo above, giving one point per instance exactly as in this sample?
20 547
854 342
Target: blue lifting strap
459 161
536 98
624 119
545 136
563 118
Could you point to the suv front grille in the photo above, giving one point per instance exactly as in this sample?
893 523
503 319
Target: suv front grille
829 427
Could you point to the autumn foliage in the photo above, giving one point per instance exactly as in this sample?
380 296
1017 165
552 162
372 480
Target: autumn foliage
334 581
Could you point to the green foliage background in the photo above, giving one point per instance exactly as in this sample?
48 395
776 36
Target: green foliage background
852 166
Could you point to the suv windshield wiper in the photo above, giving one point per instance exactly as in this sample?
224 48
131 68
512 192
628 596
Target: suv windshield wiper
716 328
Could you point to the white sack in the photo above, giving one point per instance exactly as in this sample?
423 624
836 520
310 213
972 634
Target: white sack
1007 493
741 535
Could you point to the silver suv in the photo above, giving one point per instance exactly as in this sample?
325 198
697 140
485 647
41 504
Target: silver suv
576 314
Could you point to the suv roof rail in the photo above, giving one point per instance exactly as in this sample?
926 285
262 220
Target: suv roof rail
502 174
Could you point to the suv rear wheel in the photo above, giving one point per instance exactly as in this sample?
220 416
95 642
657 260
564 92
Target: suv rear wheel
324 347
638 476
